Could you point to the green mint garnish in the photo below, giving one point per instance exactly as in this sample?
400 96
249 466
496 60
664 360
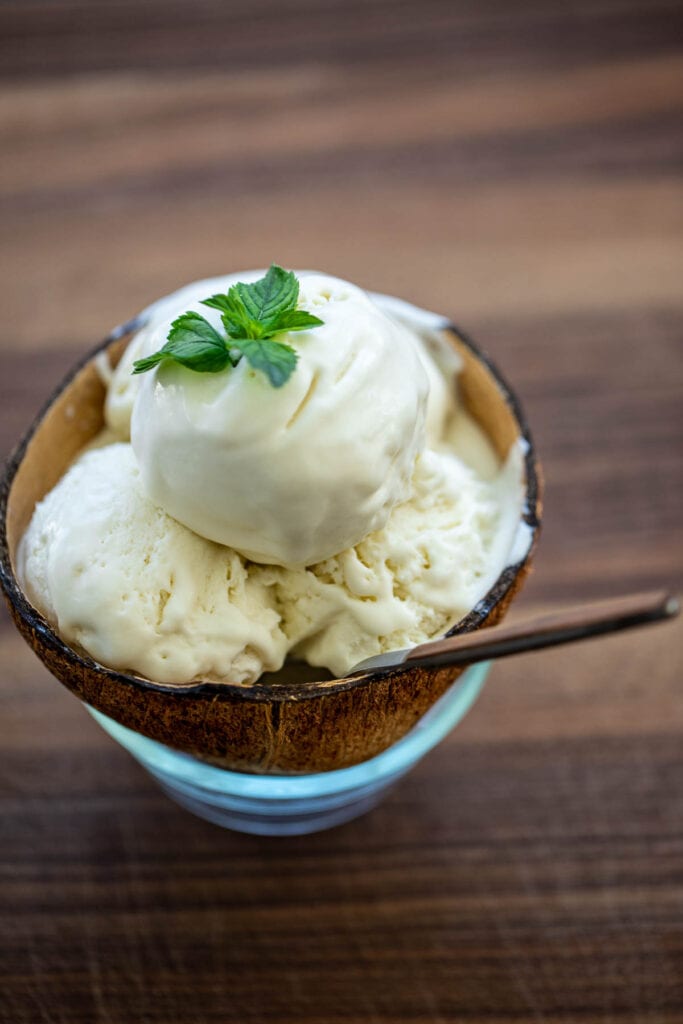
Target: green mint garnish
252 316
192 342
274 358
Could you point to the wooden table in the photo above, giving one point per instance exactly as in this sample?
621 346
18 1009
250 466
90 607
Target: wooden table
518 171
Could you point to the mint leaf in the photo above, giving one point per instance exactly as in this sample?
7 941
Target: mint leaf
224 303
273 358
241 326
192 327
235 318
193 343
273 294
264 308
252 315
294 320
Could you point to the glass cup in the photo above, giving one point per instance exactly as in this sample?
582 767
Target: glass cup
287 805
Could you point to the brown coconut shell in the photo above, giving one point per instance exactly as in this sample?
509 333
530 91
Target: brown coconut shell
277 726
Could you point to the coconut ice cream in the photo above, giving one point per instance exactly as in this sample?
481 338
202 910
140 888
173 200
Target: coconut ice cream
295 474
124 581
128 555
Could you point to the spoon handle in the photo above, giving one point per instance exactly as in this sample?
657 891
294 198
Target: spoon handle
548 630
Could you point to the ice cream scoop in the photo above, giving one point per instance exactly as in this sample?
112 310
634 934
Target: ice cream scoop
290 475
123 581
436 557
138 591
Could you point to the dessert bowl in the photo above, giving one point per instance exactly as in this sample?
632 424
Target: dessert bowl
292 722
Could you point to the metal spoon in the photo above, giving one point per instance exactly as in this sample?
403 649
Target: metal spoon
562 627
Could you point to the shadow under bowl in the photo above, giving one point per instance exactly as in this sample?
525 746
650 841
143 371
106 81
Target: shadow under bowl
282 726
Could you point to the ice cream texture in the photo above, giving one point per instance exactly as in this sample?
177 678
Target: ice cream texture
437 556
292 475
137 590
110 563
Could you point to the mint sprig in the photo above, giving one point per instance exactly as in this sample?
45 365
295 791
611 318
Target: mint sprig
252 316
274 358
192 342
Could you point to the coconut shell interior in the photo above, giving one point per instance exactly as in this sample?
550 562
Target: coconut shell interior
278 726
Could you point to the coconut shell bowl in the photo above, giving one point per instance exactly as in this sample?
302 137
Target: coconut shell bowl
293 752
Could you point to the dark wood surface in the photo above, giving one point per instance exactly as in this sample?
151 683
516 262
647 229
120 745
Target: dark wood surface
516 166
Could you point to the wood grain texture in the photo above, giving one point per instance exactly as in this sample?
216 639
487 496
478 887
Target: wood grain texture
517 167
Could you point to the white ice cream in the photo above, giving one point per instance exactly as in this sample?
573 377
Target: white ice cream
122 386
292 475
136 590
437 556
139 591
